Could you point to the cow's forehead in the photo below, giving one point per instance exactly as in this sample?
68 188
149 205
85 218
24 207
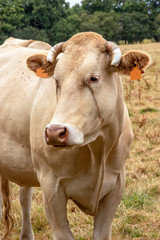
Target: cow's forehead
83 54
86 40
78 63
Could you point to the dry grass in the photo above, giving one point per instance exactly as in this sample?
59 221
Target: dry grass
138 216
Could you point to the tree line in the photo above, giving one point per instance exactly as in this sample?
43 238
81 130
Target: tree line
55 21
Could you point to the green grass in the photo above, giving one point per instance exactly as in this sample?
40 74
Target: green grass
135 200
149 109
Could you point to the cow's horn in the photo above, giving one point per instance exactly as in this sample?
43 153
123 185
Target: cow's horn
116 53
54 51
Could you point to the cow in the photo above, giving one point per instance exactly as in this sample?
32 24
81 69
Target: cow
69 132
25 195
26 43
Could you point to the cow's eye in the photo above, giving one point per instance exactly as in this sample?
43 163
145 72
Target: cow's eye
94 79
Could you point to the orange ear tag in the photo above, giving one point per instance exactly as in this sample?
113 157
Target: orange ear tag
41 73
135 74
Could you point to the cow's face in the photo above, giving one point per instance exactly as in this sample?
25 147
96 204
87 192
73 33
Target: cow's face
89 92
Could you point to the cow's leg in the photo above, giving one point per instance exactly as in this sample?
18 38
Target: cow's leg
0 200
0 203
106 211
26 200
55 203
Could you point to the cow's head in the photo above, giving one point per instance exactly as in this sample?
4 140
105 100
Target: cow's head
89 89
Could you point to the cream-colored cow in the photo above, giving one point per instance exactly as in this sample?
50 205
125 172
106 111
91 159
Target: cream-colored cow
25 192
68 133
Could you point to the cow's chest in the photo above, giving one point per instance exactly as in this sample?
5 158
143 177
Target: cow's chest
87 181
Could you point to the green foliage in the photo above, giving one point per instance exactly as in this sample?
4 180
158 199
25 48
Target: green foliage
11 17
3 36
54 21
67 27
46 13
136 26
157 27
97 5
31 33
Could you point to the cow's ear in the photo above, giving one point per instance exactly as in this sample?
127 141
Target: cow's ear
40 61
128 61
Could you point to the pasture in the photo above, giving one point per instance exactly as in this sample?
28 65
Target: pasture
138 216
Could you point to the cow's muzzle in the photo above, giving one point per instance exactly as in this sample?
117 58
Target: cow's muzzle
62 135
56 135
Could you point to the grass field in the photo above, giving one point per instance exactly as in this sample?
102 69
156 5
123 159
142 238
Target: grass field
138 216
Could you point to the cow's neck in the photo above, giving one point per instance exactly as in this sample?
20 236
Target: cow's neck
102 150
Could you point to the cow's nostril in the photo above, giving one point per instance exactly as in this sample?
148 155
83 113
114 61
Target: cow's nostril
56 135
63 133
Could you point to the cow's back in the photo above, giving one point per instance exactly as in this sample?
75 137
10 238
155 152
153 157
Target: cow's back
26 43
